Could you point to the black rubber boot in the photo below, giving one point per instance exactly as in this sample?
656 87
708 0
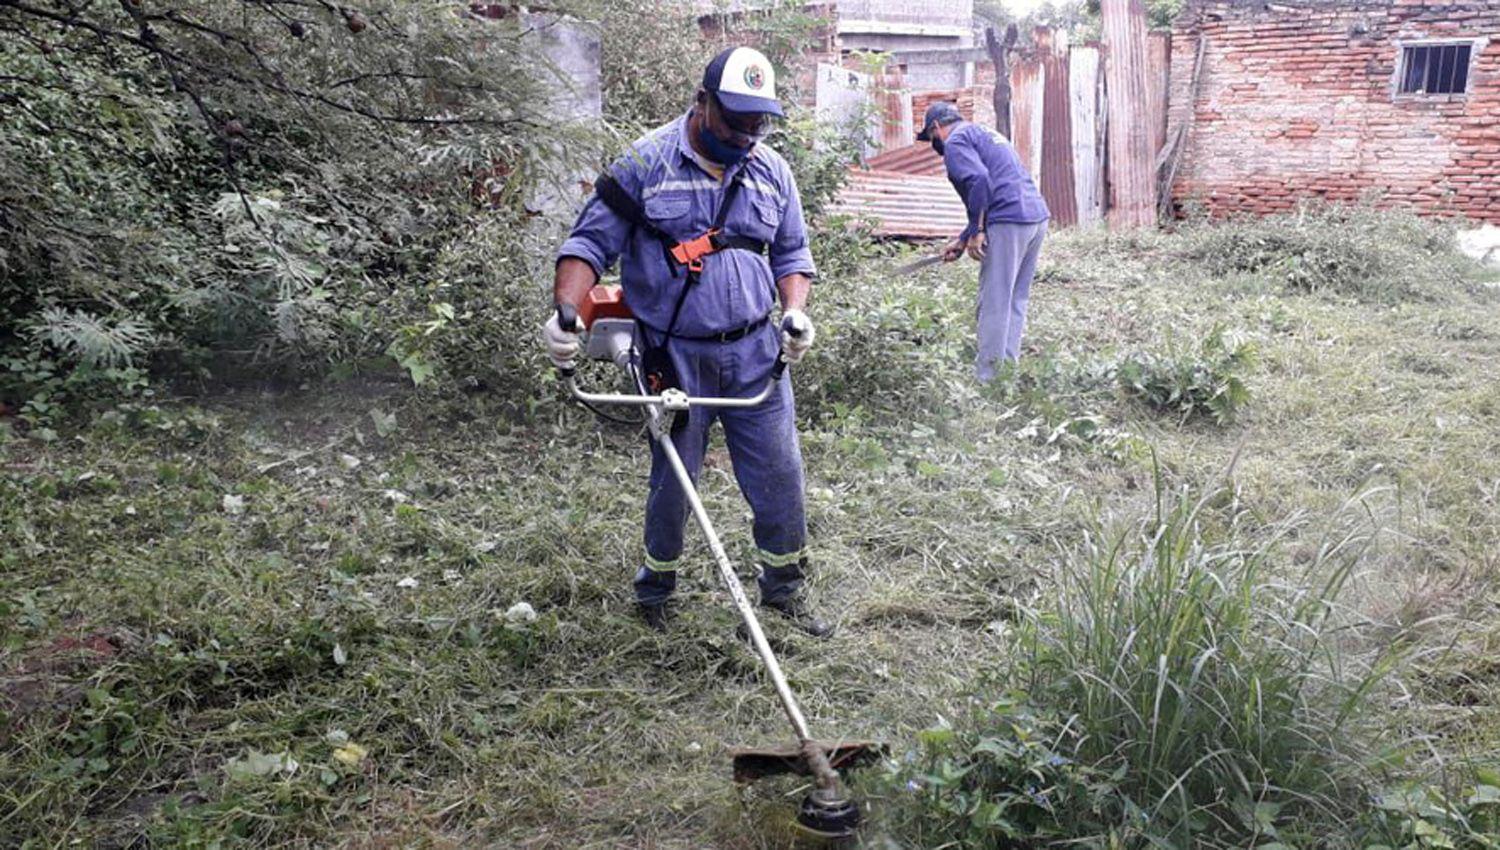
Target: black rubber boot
654 616
797 609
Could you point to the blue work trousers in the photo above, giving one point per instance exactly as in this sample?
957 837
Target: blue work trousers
763 447
1010 254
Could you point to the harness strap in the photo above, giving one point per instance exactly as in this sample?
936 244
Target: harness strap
689 255
624 205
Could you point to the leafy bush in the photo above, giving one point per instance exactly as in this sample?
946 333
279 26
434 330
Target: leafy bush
1176 692
1203 382
253 184
886 346
1417 815
266 183
652 61
1356 251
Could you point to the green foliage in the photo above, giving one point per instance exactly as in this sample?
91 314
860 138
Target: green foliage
1350 251
263 183
1180 691
819 154
51 389
653 62
1416 816
1206 381
1011 784
655 53
887 345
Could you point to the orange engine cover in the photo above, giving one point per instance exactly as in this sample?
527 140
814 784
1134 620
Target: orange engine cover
603 302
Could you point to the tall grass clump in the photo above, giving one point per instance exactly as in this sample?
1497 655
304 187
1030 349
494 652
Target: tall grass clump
1178 691
1385 256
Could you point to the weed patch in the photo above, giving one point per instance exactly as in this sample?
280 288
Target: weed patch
1202 381
1176 693
1356 252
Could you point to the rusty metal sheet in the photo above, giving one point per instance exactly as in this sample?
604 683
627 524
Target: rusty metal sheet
1057 135
910 206
1085 96
893 102
918 158
1027 82
1132 183
1158 86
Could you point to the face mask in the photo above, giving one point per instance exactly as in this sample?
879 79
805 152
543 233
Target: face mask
937 145
719 150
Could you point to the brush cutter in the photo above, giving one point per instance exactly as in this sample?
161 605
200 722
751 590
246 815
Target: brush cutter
827 811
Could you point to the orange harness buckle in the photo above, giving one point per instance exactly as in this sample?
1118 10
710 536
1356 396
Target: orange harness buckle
692 252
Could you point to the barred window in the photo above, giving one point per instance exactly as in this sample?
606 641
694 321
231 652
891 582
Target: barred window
1435 68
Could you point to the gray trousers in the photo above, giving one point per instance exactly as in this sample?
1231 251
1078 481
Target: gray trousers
1004 289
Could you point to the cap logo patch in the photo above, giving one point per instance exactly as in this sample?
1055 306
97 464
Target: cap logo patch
755 77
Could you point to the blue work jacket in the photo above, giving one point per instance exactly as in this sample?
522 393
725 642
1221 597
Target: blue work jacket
681 198
990 178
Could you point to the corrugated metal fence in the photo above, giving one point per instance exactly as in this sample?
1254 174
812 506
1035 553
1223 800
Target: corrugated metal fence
1088 121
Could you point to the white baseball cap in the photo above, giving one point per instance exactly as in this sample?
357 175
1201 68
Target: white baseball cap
744 81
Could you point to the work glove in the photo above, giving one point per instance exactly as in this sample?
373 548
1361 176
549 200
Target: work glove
796 335
562 344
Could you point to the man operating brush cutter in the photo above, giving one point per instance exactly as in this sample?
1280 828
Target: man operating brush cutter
710 231
707 225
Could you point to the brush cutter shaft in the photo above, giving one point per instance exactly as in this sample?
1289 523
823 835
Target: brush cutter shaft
736 590
817 759
658 411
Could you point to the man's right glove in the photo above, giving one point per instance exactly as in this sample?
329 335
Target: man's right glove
796 335
562 345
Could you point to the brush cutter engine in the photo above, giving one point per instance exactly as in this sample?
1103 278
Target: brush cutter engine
609 325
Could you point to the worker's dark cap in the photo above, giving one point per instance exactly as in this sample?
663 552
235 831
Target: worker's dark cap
744 81
939 113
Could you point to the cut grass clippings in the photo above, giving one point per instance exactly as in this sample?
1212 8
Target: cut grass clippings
269 618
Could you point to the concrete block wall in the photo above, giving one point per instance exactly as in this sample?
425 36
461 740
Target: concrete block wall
949 13
1298 100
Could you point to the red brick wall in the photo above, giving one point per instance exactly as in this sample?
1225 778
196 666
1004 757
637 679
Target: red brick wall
1297 100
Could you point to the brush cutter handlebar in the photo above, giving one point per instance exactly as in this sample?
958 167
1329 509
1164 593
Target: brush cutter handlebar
675 400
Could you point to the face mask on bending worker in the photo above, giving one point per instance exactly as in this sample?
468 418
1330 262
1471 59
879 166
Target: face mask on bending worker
937 145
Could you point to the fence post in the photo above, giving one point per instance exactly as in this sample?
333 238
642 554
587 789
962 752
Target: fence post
1132 184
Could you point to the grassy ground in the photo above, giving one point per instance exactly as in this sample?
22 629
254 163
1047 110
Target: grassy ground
271 617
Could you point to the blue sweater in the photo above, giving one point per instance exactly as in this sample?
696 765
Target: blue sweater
990 178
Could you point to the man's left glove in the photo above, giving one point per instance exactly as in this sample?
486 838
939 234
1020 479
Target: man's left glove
562 345
796 335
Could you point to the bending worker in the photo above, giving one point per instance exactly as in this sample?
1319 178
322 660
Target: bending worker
1007 223
707 224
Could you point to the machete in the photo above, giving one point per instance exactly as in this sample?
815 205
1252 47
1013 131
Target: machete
918 265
